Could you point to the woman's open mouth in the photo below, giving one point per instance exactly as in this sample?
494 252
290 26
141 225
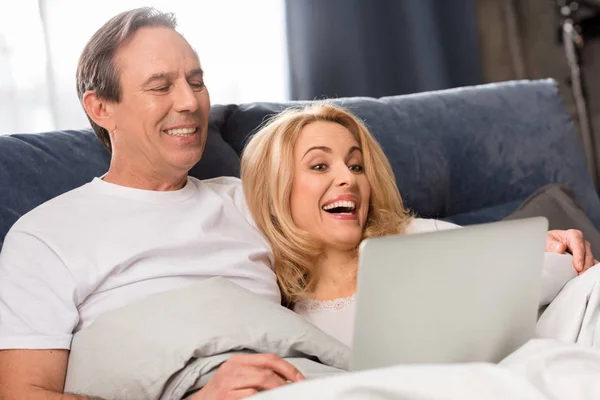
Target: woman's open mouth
341 209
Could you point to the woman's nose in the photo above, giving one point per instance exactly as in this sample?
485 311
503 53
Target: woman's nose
345 177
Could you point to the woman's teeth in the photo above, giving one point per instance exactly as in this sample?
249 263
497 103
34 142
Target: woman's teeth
342 206
181 131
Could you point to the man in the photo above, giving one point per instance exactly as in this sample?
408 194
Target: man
142 228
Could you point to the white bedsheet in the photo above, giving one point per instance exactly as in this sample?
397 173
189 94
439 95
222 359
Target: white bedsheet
541 370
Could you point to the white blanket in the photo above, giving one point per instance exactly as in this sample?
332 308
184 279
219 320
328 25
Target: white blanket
574 314
541 370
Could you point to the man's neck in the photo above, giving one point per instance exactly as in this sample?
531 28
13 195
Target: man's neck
129 176
336 275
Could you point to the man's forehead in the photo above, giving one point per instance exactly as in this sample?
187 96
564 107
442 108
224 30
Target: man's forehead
157 69
153 51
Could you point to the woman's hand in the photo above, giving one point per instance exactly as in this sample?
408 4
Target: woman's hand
572 241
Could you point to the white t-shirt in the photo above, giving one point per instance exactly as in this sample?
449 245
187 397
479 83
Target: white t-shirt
102 246
336 317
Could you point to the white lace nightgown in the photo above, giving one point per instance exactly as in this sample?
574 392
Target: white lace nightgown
334 317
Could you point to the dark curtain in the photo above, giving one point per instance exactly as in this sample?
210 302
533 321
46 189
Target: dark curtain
340 48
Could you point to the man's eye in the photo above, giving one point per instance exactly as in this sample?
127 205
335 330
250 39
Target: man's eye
319 167
161 89
197 85
356 168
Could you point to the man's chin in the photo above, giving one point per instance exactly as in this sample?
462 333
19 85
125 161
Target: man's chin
185 162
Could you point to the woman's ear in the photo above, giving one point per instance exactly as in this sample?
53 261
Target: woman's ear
97 109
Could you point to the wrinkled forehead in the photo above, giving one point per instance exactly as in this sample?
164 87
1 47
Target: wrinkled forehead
155 50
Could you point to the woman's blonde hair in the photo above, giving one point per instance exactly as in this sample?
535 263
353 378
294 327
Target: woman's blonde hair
267 172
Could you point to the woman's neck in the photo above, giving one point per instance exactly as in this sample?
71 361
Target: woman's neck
335 275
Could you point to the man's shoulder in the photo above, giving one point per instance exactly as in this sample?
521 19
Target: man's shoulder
56 208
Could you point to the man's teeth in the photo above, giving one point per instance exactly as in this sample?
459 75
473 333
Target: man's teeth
342 203
181 131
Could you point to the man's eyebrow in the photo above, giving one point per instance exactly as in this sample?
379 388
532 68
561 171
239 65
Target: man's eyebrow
161 76
322 148
195 72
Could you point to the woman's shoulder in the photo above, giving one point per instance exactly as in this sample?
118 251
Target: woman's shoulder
424 225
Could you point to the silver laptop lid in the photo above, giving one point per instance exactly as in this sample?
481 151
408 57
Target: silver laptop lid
462 295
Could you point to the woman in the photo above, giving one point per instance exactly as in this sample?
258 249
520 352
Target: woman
317 183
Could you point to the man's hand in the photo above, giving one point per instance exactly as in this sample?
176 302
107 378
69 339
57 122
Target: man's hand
572 241
245 375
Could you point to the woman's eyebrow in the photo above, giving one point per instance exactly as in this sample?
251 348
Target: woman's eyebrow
322 148
353 149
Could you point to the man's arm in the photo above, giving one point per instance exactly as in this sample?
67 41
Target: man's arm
40 375
37 313
34 374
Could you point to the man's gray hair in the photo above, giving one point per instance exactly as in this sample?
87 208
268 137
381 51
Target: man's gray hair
96 69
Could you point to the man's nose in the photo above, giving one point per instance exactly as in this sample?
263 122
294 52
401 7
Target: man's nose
185 98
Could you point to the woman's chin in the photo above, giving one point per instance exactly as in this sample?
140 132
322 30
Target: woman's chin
343 243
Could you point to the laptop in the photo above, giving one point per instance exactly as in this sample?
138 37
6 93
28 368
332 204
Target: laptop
453 296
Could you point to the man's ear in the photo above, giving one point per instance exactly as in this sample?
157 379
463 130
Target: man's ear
98 110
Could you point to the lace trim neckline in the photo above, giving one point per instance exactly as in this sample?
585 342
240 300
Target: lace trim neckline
336 304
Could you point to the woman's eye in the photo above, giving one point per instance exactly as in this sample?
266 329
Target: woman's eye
319 167
356 168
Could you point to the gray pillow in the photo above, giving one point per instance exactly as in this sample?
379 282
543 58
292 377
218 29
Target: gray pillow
557 203
168 344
